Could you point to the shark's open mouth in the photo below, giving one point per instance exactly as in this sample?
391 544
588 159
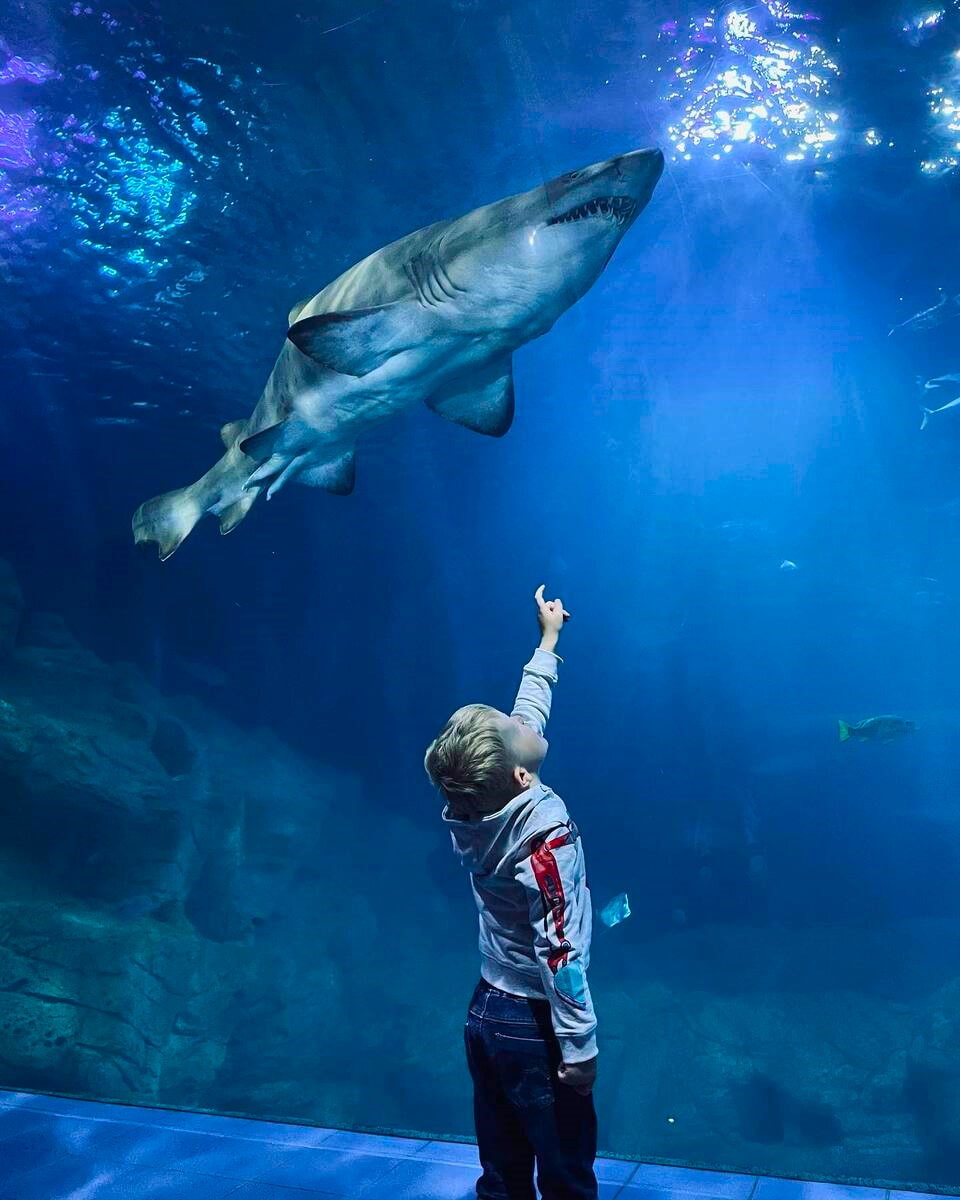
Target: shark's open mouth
620 208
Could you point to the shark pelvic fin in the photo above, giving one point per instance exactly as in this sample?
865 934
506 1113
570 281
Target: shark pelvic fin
230 432
338 476
233 514
359 341
297 310
485 408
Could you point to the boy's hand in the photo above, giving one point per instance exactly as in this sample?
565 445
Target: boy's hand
551 614
580 1076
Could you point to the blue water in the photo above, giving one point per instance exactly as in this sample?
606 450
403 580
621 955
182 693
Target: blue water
725 400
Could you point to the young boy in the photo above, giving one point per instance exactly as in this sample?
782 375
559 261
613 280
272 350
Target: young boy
530 1031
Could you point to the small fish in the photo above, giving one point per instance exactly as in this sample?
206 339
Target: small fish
929 412
615 910
946 308
103 421
884 729
789 565
939 380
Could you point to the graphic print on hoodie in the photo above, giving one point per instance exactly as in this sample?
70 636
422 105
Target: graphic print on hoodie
529 882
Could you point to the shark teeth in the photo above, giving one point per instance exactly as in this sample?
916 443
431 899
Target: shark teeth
621 208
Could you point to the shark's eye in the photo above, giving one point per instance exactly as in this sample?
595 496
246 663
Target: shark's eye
572 175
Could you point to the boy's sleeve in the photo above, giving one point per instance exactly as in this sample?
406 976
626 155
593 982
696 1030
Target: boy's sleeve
532 704
554 880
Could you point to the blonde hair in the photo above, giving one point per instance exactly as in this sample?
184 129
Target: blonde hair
468 760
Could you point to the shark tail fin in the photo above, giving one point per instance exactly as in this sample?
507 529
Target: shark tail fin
167 519
844 730
925 419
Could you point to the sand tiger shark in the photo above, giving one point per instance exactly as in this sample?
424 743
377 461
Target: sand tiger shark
434 317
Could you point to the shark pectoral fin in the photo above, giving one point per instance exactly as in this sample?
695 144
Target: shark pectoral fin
338 476
260 446
359 341
233 514
297 310
487 407
230 432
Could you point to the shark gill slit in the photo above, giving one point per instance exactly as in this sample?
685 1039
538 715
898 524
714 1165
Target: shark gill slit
433 283
443 278
415 273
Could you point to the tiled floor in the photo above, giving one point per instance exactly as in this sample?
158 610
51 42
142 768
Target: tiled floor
52 1149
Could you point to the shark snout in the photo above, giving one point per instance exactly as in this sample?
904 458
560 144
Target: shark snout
638 174
640 167
619 188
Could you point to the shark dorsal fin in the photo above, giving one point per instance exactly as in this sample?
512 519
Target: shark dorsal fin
231 431
358 341
297 310
486 406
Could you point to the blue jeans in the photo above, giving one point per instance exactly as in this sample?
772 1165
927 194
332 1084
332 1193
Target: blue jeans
523 1113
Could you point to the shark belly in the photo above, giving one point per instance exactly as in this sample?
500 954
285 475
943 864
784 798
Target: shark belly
339 408
323 414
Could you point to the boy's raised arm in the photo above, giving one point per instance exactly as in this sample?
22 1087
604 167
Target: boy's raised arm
532 704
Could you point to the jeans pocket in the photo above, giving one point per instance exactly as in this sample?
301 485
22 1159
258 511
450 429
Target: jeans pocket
525 1069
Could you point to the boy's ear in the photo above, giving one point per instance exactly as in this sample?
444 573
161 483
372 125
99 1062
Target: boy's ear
522 777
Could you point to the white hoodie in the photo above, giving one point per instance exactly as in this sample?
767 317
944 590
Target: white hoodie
529 881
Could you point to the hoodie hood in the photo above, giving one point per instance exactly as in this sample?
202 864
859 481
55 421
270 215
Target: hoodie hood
492 844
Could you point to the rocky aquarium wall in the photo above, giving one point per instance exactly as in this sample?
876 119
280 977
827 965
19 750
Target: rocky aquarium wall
182 921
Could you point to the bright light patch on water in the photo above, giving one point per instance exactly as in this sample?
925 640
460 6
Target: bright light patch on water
21 202
16 138
119 181
140 191
921 24
751 80
944 101
17 68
